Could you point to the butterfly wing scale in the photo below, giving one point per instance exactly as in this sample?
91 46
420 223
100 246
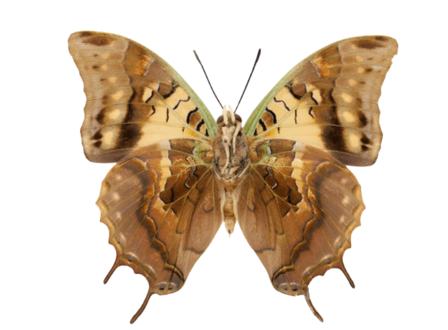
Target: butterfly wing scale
162 207
297 208
330 100
134 98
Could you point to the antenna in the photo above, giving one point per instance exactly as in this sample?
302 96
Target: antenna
255 64
197 57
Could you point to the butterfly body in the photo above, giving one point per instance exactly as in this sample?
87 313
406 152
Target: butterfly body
231 161
180 174
231 158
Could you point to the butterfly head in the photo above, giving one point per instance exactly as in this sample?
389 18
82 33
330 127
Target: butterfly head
228 118
231 154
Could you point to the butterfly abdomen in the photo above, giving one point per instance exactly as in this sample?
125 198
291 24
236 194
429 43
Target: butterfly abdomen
228 212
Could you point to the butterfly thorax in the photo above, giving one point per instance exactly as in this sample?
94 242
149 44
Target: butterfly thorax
231 153
231 160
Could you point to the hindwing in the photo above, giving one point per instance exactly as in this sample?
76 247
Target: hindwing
161 204
297 208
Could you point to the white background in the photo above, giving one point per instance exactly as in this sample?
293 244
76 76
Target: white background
54 249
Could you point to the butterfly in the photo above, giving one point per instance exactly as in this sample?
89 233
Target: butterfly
180 174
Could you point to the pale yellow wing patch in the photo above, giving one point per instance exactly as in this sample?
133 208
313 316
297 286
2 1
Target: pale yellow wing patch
330 100
134 98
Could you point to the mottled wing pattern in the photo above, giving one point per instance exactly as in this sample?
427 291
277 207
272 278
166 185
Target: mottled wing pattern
297 208
161 204
134 98
330 100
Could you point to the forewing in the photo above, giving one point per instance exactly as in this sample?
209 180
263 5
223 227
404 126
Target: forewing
330 100
297 208
162 207
134 98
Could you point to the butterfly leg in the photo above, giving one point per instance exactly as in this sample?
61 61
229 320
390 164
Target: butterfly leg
237 130
226 148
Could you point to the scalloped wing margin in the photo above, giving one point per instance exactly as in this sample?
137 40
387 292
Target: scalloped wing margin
162 207
297 209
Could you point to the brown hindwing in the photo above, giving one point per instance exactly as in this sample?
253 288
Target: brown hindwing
297 209
162 207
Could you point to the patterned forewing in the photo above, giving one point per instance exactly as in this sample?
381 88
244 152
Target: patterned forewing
162 207
330 100
134 98
297 207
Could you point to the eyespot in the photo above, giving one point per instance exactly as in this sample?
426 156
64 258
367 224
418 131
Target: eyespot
284 286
